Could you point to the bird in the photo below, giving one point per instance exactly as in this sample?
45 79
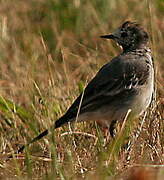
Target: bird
125 82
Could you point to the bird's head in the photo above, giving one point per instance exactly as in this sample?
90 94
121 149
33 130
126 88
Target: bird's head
130 36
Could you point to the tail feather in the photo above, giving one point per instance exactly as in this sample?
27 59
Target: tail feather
58 124
44 133
61 121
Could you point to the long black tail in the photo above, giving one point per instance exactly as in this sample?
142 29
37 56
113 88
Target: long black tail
63 120
44 133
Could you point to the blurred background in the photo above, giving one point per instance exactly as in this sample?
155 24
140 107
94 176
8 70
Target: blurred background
49 50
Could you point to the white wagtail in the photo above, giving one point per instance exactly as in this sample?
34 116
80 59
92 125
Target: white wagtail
126 82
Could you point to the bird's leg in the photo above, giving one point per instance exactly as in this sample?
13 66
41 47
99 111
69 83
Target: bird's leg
113 129
106 135
105 132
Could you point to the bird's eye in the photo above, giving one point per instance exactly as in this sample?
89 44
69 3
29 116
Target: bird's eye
124 34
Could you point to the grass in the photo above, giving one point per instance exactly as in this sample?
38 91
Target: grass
49 50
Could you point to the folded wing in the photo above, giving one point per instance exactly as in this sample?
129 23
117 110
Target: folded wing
113 81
